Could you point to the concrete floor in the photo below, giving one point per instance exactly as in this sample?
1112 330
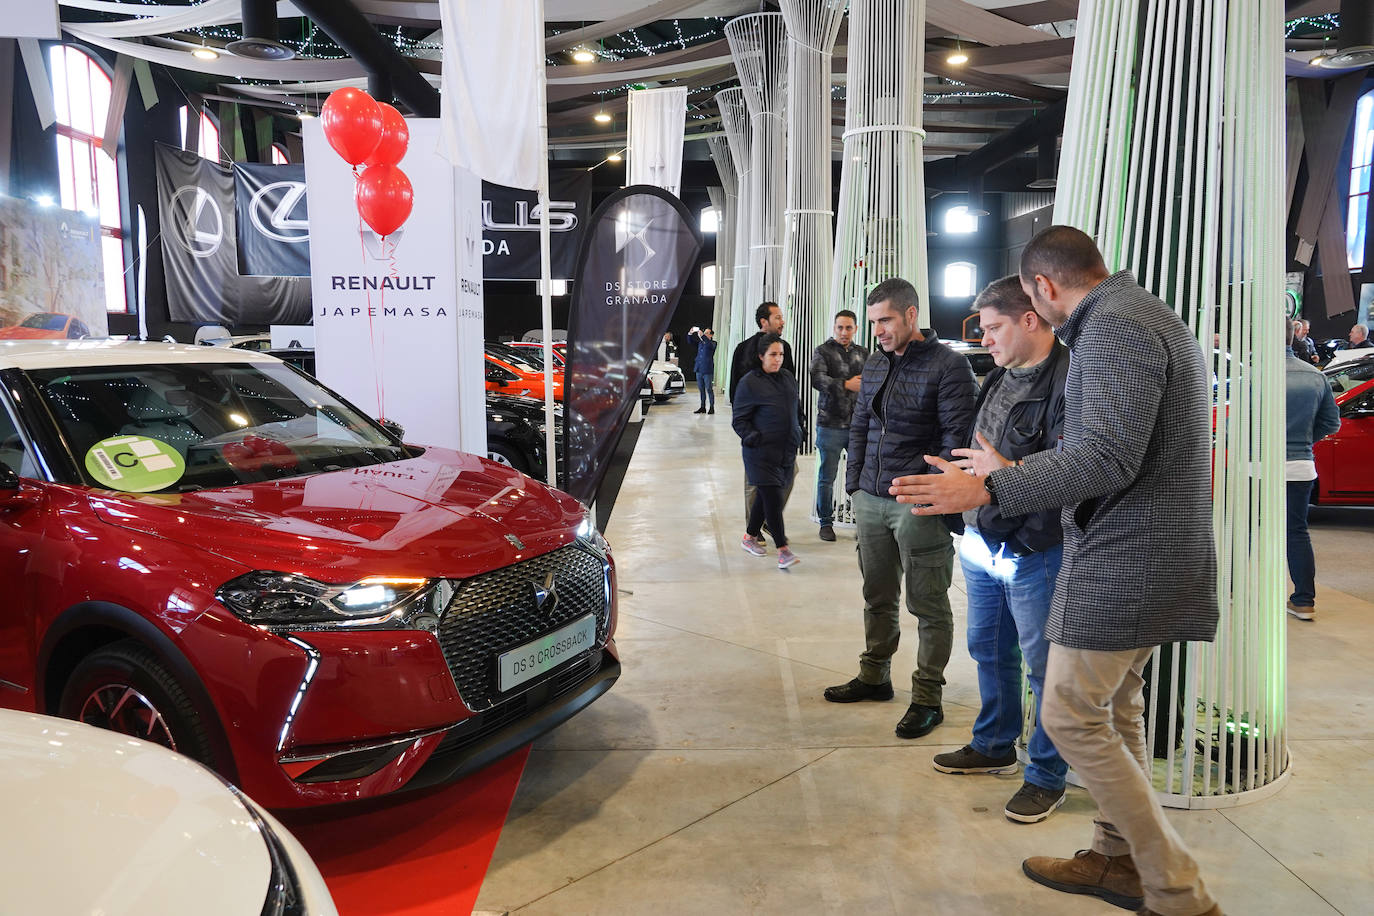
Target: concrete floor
714 779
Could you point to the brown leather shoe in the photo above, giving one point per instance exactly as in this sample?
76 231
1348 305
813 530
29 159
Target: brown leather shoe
1112 878
1214 911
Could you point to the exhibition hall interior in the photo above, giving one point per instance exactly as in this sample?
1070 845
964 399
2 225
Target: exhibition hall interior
687 456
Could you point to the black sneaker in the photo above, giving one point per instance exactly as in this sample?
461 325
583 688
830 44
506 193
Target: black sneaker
919 721
857 690
700 410
1031 804
967 760
827 533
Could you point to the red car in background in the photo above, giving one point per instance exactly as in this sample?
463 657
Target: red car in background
1345 460
47 326
518 372
209 550
560 351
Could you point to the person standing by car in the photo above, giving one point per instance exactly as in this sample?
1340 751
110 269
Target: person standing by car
705 367
1010 563
766 418
667 349
1359 338
1303 347
1134 477
1312 416
916 397
835 369
769 318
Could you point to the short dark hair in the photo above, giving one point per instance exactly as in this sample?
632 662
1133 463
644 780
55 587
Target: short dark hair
762 312
1006 297
1066 255
846 313
767 341
1290 327
897 292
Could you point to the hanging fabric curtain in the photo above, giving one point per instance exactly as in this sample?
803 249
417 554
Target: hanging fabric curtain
299 69
163 19
657 120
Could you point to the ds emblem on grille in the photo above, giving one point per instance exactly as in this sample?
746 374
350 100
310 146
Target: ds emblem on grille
515 542
545 595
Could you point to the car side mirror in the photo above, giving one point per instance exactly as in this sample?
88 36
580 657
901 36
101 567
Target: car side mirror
394 428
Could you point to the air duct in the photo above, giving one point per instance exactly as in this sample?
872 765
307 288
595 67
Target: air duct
1356 39
1044 164
259 41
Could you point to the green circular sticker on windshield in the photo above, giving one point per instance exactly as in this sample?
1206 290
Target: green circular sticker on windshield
135 464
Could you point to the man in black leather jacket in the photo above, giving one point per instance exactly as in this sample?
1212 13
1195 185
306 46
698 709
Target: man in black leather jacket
916 397
1010 563
835 369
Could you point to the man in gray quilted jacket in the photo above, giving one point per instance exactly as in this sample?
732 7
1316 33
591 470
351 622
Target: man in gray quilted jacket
1133 475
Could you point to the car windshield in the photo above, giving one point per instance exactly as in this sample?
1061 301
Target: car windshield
524 362
229 423
46 321
1345 377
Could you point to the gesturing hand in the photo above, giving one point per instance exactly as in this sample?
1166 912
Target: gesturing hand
942 493
980 461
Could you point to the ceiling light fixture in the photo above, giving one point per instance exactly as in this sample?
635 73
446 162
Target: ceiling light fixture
957 58
204 53
305 115
613 157
601 117
583 56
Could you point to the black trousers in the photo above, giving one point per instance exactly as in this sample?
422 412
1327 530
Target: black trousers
767 507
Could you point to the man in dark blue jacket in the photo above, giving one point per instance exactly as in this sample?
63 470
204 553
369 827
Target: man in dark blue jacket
704 367
1010 562
916 397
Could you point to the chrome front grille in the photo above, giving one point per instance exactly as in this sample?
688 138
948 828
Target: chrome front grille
496 611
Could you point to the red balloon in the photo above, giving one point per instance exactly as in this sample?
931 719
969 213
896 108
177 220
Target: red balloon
385 198
395 138
352 124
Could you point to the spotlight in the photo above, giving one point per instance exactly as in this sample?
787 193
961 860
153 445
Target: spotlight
204 53
957 58
583 56
305 115
613 157
601 117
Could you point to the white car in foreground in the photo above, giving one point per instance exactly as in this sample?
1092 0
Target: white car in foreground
98 822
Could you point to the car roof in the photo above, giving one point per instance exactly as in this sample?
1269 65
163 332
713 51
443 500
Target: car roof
62 354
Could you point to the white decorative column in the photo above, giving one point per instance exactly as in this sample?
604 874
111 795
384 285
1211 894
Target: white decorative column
723 199
881 227
1173 159
739 132
809 242
758 43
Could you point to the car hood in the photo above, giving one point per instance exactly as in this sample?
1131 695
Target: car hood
443 513
97 822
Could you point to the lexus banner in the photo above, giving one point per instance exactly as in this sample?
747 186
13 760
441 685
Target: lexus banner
510 227
273 220
200 250
639 251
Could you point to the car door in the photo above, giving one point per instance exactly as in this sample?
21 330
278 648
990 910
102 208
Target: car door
1353 449
21 527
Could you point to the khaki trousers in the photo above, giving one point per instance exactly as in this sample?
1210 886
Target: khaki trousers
1093 711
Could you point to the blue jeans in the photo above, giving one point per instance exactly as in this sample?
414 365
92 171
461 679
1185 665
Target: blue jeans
829 444
706 385
1302 565
1008 603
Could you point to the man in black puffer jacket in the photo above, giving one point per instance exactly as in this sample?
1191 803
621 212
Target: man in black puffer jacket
916 397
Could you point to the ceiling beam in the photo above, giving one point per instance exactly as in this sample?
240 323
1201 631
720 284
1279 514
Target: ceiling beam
350 30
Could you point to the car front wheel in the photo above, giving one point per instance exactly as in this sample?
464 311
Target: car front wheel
125 688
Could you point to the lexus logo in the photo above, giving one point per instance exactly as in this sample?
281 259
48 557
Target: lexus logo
624 236
545 596
271 211
196 224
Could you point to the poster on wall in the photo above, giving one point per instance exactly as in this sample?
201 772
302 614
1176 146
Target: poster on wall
200 250
399 320
639 252
273 220
510 227
52 281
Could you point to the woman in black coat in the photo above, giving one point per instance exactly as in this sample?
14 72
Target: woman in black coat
767 420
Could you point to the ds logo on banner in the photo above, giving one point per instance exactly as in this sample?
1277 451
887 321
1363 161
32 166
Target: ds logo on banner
272 209
198 226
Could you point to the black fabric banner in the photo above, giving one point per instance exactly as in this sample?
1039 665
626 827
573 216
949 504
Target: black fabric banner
200 250
273 220
510 227
639 251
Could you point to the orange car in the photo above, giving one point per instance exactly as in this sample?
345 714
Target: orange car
510 371
47 325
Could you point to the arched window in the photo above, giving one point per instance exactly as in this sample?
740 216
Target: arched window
88 175
710 220
961 280
1361 164
279 156
958 221
209 135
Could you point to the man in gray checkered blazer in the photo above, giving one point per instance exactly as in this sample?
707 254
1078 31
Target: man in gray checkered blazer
1133 475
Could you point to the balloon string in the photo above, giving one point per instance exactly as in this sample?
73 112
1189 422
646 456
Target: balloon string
371 333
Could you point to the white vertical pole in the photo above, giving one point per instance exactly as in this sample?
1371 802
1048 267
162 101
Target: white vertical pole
545 273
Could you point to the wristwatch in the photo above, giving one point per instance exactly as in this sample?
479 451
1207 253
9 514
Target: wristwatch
992 491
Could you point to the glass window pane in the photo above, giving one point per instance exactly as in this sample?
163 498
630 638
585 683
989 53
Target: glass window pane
107 190
100 97
84 174
1364 124
959 222
708 280
279 156
1356 219
57 67
209 137
710 220
112 251
959 280
65 172
79 92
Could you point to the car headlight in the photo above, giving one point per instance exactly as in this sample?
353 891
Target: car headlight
588 535
289 600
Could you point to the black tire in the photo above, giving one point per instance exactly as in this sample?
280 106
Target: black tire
159 710
505 453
